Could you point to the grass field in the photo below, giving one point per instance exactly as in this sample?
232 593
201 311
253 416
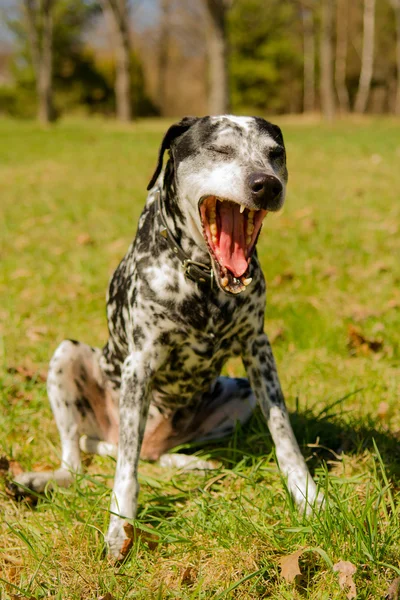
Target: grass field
70 198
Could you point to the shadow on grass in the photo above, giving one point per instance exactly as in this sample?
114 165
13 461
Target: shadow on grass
322 437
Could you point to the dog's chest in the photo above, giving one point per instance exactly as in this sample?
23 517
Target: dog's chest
196 356
192 364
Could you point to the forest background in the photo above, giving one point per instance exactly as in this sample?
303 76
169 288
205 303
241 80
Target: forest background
173 57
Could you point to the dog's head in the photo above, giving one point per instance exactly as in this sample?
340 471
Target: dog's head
229 173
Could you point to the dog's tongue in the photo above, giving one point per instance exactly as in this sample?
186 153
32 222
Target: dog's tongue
232 241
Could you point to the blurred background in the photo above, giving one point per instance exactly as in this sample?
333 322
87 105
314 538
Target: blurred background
135 58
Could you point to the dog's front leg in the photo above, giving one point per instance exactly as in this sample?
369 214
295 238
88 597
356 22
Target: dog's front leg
137 373
261 370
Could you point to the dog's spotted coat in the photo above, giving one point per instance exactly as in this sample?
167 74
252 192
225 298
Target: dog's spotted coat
157 381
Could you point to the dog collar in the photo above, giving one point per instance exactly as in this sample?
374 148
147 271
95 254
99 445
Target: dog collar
193 270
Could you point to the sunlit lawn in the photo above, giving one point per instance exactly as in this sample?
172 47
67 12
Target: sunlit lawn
70 198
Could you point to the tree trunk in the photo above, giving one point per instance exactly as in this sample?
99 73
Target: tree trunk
342 17
367 60
308 59
163 56
118 13
40 34
326 59
217 49
396 7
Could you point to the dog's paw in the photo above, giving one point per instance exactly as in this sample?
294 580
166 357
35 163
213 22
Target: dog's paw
187 462
29 484
26 486
119 540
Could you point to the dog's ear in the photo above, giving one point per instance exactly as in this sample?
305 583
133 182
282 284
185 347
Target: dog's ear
173 132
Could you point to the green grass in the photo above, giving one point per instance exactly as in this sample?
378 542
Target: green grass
70 198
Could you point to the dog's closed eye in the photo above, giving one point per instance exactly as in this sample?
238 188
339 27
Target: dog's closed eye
277 153
227 150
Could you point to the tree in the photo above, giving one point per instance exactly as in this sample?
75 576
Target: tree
326 59
307 15
39 23
265 56
217 49
367 59
163 44
396 8
117 11
342 18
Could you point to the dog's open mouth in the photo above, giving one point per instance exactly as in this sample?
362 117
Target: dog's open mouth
231 233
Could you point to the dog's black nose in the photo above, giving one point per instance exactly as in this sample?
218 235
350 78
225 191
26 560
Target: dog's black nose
265 190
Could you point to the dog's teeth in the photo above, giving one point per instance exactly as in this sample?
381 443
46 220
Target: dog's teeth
224 281
248 240
247 281
242 207
250 228
214 239
213 228
212 214
250 216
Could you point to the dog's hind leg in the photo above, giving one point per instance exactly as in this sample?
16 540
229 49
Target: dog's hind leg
228 402
83 402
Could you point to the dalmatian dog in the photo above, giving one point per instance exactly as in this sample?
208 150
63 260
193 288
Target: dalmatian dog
188 295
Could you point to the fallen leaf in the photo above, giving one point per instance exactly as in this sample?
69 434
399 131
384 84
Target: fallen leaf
107 596
278 334
27 372
309 225
134 533
378 267
394 303
84 239
21 274
4 465
282 278
36 333
346 571
393 590
189 576
358 343
303 212
382 411
290 566
330 271
360 313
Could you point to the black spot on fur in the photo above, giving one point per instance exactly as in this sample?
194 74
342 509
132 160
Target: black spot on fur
83 405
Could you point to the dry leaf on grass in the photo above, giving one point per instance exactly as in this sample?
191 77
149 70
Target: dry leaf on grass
134 533
27 372
189 576
36 332
107 596
282 278
393 590
346 571
358 343
278 334
383 410
4 466
290 565
393 303
84 239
